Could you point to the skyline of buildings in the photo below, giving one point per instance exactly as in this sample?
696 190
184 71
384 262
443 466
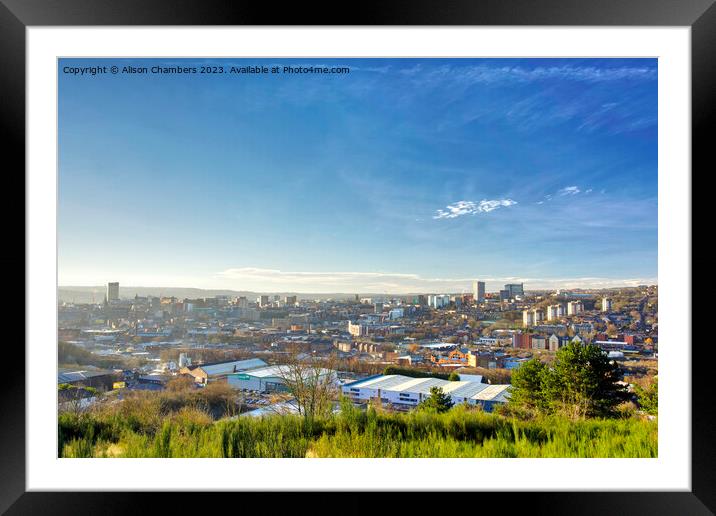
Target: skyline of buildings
510 293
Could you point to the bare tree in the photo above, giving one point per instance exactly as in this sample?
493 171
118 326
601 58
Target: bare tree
75 399
311 382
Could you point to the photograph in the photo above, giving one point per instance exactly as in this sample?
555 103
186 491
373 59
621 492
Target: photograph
357 257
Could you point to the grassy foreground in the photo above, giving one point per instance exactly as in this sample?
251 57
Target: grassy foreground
459 432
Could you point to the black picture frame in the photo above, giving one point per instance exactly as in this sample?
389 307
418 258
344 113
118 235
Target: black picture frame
17 15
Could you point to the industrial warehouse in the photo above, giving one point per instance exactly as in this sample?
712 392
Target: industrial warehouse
205 373
273 378
406 391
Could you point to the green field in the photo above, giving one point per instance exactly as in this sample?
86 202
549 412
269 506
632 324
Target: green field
459 432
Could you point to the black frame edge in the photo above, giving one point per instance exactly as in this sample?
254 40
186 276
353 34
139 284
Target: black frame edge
12 131
371 12
703 113
15 15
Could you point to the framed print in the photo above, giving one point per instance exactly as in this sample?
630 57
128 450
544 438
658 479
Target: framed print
418 250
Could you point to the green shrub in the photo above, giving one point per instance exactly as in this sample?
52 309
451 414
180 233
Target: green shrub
128 431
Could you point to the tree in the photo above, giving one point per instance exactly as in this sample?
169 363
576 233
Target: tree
648 397
583 382
454 377
438 401
528 386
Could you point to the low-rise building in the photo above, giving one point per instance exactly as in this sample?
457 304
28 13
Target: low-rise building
205 373
406 392
274 378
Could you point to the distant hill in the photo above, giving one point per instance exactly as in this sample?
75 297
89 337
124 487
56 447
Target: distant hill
70 294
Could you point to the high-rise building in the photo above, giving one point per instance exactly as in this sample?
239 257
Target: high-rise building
112 292
439 300
478 291
263 301
515 289
552 312
528 318
606 304
290 300
574 307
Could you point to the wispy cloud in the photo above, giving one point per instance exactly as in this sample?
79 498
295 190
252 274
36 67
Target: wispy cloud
489 74
569 190
460 208
259 279
564 192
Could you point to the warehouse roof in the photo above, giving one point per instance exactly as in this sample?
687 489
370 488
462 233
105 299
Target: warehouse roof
274 371
74 376
494 393
230 367
467 389
461 389
420 385
382 381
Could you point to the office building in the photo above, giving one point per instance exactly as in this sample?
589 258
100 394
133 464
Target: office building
515 289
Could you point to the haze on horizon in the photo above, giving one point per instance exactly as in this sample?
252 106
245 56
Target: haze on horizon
404 176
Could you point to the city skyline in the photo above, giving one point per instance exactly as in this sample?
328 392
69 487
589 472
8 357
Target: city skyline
406 175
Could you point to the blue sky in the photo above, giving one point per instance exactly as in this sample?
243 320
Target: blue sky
404 175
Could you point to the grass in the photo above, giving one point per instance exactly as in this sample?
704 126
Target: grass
190 432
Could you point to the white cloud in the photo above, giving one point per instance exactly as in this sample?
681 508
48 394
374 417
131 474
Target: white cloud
569 190
471 208
274 280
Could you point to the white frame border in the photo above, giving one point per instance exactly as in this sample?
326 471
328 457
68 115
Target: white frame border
670 471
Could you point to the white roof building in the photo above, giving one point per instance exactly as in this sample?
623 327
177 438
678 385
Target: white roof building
408 391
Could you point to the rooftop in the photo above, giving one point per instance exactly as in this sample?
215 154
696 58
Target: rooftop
463 389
